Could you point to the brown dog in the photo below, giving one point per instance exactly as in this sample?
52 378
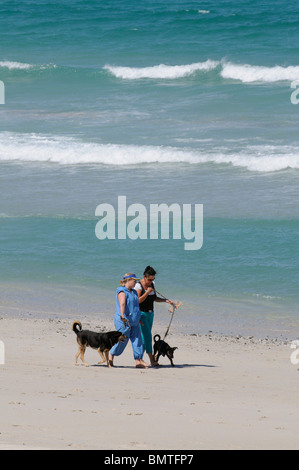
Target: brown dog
103 342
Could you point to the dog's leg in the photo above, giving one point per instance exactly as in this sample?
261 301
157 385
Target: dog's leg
171 361
107 358
102 356
83 349
79 351
77 356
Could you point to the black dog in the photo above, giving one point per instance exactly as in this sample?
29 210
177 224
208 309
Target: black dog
103 342
163 349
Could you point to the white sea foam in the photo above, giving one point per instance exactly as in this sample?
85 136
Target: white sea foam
10 65
249 73
243 72
162 71
69 151
14 65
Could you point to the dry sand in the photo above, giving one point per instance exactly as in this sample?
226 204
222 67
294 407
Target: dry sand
224 393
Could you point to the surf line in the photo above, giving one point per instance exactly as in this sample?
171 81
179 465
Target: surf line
162 221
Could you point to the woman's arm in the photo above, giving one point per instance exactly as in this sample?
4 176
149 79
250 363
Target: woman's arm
159 300
122 304
145 295
156 299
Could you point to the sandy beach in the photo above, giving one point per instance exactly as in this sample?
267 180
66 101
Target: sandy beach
162 134
224 393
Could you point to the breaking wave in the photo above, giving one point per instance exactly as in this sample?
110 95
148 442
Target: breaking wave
243 72
161 71
250 74
15 65
69 151
11 65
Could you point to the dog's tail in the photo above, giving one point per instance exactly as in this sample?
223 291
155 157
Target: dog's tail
77 325
157 336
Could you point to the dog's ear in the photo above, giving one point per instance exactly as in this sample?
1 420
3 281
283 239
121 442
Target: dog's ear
174 349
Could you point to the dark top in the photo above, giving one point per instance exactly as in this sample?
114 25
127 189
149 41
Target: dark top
148 304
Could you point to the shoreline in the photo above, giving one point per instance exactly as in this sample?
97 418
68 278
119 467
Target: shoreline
224 393
221 317
176 328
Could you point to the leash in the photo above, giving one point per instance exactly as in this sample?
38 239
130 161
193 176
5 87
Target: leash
126 322
171 310
174 308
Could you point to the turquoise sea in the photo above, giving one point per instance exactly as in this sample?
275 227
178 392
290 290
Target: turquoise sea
182 102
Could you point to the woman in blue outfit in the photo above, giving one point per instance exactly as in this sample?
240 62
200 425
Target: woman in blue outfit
127 319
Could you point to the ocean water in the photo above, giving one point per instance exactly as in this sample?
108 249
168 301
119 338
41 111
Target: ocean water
162 102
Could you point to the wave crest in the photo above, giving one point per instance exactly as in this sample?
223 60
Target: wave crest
243 72
69 151
11 65
249 74
161 71
15 65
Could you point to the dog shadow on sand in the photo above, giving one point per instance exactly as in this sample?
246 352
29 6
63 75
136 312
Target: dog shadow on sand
161 366
182 366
